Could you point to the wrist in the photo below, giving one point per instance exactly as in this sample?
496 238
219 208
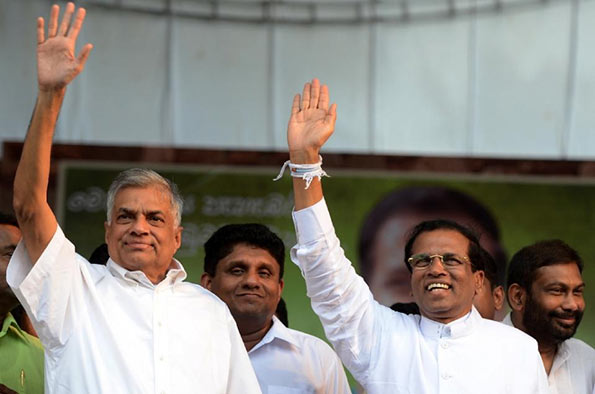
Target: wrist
304 156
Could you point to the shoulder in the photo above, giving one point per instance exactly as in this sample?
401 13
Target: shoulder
503 333
199 293
580 348
313 347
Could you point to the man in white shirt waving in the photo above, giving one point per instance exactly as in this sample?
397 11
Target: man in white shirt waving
244 266
545 293
133 326
450 348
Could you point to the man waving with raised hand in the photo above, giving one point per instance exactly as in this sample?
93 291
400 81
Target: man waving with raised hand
450 348
133 325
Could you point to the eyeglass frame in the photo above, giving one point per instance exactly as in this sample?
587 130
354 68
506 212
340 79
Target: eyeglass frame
441 258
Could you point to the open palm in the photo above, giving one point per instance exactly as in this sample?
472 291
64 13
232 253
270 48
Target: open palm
57 64
311 123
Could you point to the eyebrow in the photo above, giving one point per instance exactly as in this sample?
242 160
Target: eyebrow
562 284
134 212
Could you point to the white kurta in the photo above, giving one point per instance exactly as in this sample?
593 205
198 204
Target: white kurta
573 370
390 352
108 330
288 361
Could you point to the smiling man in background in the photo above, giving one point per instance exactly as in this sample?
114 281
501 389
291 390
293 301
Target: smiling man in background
545 293
244 266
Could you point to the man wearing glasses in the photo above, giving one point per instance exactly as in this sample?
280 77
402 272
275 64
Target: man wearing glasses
450 348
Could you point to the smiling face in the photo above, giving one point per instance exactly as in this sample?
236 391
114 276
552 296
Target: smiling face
554 308
444 294
248 281
142 233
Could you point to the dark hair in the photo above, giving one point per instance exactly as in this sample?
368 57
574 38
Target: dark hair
491 269
529 259
8 219
227 237
437 201
100 255
281 312
408 308
474 252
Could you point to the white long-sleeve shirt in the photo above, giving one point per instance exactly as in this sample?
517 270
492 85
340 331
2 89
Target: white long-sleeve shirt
109 330
573 370
288 361
390 352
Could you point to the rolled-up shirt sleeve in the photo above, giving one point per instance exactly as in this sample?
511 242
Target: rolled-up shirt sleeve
46 288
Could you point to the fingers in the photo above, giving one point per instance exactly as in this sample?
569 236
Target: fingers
40 32
324 98
77 24
295 106
53 22
314 93
66 19
306 96
331 116
84 54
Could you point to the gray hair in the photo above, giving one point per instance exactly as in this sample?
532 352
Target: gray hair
143 177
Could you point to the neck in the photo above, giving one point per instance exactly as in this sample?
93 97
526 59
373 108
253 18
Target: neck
252 332
548 353
6 305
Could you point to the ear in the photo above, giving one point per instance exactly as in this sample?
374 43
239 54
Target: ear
478 277
206 281
517 296
498 296
178 236
107 228
281 285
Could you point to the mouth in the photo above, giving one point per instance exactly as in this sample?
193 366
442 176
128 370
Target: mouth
250 295
138 245
438 286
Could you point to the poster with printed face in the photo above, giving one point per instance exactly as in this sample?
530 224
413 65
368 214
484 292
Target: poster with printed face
372 212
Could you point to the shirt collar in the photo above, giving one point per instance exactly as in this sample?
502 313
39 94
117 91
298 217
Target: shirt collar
562 355
455 329
174 275
9 321
277 331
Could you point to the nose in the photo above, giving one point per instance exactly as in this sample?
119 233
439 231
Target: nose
572 302
436 266
140 226
251 279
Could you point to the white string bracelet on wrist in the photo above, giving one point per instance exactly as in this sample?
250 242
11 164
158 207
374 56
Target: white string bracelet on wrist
305 171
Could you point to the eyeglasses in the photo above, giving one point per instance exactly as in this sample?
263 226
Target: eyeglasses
422 261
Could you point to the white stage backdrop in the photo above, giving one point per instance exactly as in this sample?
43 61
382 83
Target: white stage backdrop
516 83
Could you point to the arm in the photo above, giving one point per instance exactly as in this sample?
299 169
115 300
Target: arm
311 124
57 66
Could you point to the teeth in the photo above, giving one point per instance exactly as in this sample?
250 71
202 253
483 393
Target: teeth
433 286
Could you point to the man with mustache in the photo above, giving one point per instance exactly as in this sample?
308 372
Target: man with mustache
244 266
450 348
545 293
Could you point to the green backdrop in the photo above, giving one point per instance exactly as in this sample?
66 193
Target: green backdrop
526 209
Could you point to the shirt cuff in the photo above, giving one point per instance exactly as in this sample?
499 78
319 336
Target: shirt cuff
312 223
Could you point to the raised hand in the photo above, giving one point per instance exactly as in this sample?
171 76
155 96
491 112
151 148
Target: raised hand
311 123
57 64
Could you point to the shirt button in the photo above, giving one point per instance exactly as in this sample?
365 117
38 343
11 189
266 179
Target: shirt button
159 324
444 345
161 358
445 376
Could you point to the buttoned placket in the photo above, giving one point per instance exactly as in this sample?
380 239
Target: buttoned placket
445 361
160 338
